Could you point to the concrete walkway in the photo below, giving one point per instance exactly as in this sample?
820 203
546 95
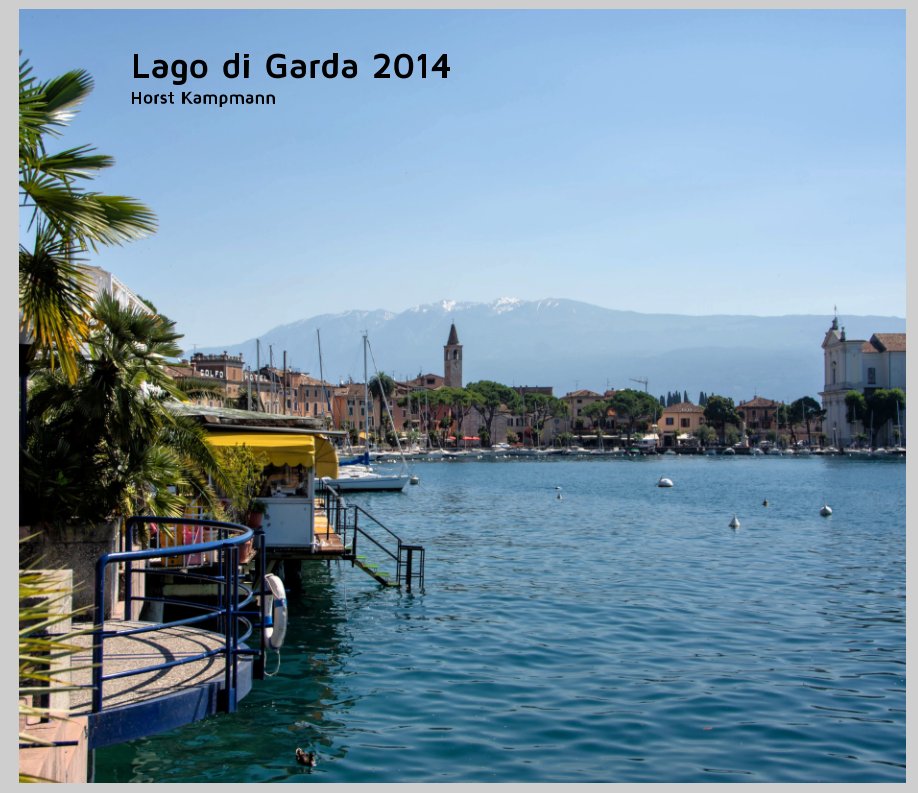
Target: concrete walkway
124 653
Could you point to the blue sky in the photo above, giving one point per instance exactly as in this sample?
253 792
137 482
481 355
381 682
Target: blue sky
746 162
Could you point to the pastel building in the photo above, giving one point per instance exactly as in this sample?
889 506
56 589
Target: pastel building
677 423
857 365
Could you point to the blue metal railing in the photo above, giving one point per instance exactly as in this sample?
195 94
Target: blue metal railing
231 610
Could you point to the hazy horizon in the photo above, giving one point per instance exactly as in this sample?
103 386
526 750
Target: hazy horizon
724 162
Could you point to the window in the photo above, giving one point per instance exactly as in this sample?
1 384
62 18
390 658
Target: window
685 423
670 421
871 375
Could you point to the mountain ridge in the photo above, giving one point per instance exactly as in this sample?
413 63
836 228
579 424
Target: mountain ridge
569 344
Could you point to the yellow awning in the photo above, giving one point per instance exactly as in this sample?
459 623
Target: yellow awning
310 451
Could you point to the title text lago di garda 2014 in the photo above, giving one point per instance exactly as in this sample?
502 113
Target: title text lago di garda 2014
277 66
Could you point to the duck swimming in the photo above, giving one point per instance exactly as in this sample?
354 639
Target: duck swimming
305 758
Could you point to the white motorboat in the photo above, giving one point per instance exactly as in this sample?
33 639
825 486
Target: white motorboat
356 477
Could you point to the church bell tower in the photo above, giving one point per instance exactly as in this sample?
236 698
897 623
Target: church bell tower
452 360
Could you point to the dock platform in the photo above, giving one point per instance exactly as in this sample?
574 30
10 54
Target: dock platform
152 701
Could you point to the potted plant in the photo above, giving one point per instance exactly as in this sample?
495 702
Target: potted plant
255 514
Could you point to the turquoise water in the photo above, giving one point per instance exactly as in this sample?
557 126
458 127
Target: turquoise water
622 633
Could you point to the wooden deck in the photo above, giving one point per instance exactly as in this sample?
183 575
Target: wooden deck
326 541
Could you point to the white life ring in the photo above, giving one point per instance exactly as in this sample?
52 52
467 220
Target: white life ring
275 612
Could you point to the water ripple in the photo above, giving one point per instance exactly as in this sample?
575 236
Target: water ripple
624 634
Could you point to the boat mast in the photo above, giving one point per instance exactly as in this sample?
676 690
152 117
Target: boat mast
322 378
366 399
273 382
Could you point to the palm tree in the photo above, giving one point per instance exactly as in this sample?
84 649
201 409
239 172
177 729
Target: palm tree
65 219
109 443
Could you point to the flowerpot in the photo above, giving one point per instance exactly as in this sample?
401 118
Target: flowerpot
255 519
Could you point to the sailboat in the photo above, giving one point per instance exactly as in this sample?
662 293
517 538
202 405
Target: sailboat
358 474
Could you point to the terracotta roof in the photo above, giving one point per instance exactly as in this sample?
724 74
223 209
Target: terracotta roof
583 392
179 370
885 342
758 402
684 407
453 336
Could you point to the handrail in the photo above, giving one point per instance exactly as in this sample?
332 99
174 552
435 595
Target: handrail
338 513
230 613
377 522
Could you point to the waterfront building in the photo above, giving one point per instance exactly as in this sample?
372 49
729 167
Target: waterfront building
271 390
577 404
863 366
348 408
759 414
678 424
104 281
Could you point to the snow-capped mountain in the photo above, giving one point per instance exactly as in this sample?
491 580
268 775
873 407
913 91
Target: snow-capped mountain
568 344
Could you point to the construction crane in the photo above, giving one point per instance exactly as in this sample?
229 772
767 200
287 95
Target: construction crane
641 380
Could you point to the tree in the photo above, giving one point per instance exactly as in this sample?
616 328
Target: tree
66 220
855 407
720 411
381 388
884 405
632 406
596 412
460 402
491 396
705 434
111 443
541 407
804 411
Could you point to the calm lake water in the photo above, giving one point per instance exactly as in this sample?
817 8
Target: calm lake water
621 633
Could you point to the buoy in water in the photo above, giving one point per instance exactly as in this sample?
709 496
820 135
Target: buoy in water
665 482
734 524
765 503
825 511
414 480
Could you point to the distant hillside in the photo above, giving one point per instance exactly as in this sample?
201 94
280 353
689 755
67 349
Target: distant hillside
568 344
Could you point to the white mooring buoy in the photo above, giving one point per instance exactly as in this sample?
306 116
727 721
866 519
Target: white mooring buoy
734 524
414 480
825 511
665 482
